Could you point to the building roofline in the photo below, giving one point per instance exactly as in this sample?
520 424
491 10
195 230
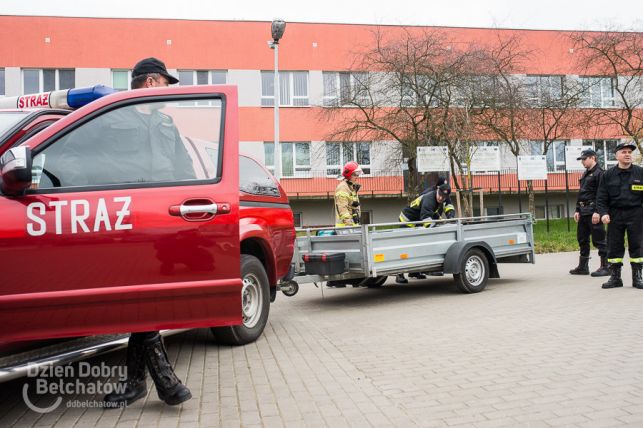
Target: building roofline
446 27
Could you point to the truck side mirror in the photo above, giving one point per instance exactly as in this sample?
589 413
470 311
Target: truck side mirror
15 171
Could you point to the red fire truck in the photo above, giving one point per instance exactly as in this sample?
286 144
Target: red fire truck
102 234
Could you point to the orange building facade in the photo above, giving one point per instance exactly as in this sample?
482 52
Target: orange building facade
45 53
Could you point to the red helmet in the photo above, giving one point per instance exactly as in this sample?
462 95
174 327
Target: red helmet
351 168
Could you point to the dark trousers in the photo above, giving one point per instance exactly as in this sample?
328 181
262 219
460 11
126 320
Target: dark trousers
586 229
630 221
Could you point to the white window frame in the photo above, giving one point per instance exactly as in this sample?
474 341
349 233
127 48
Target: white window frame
129 77
333 95
3 88
299 170
540 87
41 82
285 77
210 74
607 148
343 159
594 84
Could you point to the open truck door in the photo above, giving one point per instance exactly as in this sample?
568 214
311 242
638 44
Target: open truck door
108 225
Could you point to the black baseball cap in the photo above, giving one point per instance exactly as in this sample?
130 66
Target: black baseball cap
153 65
625 145
444 189
586 153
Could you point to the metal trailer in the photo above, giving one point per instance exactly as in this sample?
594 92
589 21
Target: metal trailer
468 248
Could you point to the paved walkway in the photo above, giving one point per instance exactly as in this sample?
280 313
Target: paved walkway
538 347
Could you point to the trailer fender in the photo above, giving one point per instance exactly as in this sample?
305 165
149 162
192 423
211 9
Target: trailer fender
457 251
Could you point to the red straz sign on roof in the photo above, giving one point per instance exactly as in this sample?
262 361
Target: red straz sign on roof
37 100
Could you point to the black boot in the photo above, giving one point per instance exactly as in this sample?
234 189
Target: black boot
168 386
637 279
417 275
582 268
615 276
603 270
399 278
134 386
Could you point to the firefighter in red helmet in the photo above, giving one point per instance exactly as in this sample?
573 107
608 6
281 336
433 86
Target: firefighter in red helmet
347 209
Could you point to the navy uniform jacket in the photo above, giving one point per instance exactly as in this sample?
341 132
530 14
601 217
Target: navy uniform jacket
128 146
426 207
620 188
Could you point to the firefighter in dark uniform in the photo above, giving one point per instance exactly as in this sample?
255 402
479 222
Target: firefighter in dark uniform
145 350
620 205
585 209
429 206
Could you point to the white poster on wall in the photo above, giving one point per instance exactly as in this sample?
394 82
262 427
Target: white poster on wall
571 154
485 159
532 167
433 159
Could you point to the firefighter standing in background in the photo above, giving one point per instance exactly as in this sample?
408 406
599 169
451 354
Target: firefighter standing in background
620 205
347 210
428 206
585 209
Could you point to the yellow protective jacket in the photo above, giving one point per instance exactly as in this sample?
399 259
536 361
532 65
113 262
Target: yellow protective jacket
346 213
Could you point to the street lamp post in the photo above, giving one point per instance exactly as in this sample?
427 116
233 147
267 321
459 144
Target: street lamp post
277 30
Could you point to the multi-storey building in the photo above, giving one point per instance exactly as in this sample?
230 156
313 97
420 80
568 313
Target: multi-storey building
46 53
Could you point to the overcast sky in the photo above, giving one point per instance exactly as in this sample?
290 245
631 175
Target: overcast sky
535 14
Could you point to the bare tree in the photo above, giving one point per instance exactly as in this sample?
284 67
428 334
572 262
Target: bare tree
613 64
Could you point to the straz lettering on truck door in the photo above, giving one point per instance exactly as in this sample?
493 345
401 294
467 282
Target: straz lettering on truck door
78 216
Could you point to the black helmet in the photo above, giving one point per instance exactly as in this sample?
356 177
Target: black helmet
444 189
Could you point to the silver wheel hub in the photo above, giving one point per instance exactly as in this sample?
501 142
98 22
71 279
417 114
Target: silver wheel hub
251 301
474 270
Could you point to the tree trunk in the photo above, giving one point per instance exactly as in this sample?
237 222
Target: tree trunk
532 198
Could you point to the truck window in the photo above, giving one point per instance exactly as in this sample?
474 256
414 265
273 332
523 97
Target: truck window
133 145
253 179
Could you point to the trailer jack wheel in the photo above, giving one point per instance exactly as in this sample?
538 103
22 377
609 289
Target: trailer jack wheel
289 288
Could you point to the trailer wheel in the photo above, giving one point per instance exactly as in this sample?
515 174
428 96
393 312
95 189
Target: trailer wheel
474 272
290 288
255 305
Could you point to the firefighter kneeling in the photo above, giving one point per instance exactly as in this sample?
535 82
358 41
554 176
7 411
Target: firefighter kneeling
428 206
619 205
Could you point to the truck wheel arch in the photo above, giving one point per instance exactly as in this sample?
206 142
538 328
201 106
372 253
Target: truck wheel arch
455 253
260 249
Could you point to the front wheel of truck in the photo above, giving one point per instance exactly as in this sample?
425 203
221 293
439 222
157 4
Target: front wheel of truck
255 305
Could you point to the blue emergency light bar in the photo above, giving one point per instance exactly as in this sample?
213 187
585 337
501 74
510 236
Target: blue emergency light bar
79 97
65 98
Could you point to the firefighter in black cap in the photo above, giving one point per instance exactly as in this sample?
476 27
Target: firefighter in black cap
585 209
428 206
620 205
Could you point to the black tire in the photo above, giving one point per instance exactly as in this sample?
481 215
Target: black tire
474 272
376 282
291 289
255 303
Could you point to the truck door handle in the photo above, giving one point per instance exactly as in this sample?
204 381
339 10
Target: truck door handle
196 210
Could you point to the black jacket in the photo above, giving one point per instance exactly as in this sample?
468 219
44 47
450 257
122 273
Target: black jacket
588 189
426 207
620 188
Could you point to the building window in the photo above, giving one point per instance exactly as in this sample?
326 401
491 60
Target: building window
295 158
542 90
604 148
344 88
556 156
365 217
597 92
202 77
121 79
2 89
36 80
298 219
293 88
337 154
